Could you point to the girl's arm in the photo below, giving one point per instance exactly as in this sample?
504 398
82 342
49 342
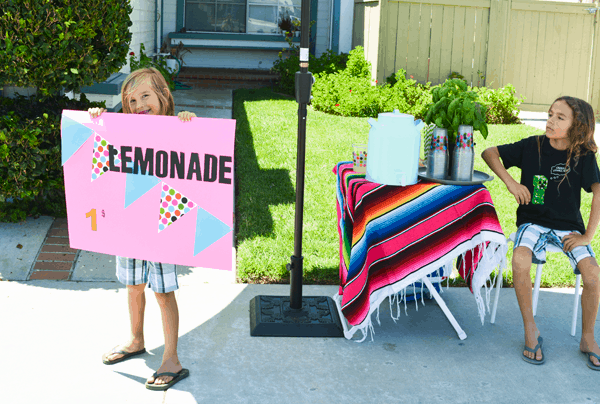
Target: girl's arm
573 240
492 159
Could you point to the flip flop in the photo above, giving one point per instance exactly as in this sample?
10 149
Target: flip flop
182 374
534 350
589 362
126 355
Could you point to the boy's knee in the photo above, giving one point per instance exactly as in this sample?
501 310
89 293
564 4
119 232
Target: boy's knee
521 260
588 267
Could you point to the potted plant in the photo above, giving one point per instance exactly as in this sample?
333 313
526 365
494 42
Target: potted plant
177 52
286 25
453 105
297 26
165 49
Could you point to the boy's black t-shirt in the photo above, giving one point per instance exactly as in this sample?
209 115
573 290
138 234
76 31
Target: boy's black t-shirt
550 206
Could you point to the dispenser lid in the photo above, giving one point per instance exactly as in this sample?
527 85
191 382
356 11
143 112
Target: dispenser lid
394 118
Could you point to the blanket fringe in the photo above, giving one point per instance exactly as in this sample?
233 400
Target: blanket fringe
494 256
491 260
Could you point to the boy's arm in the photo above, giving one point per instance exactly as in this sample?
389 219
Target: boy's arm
573 240
492 159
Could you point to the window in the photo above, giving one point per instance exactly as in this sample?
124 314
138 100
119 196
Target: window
247 16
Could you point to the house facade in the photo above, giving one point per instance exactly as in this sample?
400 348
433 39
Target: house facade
240 34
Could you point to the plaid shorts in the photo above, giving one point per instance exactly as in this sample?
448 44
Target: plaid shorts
161 278
536 238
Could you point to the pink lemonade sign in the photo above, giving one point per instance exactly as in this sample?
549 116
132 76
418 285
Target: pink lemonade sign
150 187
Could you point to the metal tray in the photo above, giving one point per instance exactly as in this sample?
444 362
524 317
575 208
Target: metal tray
478 178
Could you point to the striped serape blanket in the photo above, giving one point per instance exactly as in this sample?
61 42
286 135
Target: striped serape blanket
392 236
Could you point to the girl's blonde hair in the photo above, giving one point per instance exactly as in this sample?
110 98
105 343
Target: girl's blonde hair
158 84
581 132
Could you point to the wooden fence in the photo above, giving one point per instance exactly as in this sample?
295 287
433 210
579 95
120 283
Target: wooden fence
545 49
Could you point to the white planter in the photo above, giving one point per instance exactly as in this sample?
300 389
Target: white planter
172 65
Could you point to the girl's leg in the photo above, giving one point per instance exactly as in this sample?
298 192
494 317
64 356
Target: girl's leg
136 300
170 320
521 266
590 298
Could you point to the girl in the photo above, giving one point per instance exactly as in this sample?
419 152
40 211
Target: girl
554 169
145 91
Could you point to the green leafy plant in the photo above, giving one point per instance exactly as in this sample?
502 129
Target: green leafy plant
350 92
159 64
30 155
68 44
454 105
501 105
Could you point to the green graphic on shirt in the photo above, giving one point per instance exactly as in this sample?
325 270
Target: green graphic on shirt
540 183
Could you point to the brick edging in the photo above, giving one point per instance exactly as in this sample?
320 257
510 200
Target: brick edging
55 260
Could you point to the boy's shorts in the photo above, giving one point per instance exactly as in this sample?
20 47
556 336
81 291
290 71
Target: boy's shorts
536 238
161 278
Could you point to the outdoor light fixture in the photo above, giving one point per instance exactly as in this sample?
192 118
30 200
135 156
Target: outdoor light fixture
297 316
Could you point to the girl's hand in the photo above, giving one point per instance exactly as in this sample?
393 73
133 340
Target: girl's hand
186 116
520 192
96 112
573 240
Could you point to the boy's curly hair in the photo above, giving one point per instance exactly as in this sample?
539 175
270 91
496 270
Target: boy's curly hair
158 84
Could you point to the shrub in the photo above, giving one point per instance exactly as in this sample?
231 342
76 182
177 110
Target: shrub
288 63
501 104
66 44
30 155
350 92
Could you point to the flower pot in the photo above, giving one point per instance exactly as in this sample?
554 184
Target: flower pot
172 65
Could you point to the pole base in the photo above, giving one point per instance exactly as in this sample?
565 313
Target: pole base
271 316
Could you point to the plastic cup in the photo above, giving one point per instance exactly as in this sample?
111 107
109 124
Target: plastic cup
359 157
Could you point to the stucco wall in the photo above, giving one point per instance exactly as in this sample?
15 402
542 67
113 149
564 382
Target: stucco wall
142 29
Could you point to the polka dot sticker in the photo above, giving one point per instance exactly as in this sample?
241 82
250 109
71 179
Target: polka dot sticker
173 205
100 157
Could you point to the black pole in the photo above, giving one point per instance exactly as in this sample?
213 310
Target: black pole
298 316
303 87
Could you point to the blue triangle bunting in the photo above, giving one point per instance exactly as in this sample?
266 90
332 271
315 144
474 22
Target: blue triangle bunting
137 185
73 136
208 230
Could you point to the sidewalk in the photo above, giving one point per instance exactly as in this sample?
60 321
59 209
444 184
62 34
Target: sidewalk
55 332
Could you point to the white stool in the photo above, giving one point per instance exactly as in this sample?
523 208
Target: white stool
536 289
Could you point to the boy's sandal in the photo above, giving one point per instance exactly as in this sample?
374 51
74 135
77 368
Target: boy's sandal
589 362
533 351
126 355
182 374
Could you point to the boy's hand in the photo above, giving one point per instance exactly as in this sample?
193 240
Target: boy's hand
186 116
573 240
520 192
96 112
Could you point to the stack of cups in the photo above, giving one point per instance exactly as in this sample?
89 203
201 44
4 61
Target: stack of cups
359 157
463 158
437 160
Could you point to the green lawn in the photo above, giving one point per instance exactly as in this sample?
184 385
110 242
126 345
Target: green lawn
265 175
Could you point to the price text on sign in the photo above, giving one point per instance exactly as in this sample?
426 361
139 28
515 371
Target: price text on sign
92 214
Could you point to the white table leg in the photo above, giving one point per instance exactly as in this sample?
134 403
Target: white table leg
442 304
